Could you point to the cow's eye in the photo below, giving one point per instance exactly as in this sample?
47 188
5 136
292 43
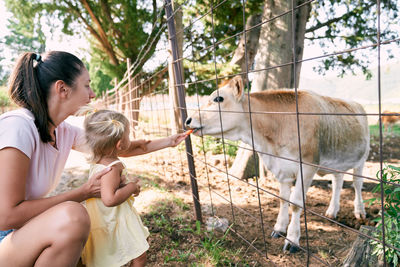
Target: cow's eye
218 99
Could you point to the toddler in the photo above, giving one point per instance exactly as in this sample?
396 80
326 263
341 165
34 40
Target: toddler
117 236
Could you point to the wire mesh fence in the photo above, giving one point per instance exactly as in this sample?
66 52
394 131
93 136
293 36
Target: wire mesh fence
255 201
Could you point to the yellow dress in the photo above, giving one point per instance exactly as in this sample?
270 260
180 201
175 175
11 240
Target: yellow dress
117 234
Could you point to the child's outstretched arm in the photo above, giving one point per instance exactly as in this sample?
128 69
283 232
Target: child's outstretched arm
111 192
139 147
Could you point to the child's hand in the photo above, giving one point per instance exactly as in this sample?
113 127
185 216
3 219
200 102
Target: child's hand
176 139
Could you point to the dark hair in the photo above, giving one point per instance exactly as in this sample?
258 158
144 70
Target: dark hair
32 77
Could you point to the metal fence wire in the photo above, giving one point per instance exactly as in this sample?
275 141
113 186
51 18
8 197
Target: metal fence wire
251 205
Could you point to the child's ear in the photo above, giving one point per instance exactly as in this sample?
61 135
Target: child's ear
119 145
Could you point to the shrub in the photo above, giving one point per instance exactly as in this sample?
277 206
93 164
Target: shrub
390 183
215 145
4 100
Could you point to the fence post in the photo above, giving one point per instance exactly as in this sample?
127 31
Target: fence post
182 106
105 97
130 100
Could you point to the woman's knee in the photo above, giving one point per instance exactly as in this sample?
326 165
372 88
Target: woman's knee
72 220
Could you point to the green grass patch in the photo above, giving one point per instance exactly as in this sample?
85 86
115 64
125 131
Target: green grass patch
374 130
216 145
176 239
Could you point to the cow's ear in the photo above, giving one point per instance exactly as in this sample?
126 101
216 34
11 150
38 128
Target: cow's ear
236 85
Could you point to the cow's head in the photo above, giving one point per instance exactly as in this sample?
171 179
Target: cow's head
222 112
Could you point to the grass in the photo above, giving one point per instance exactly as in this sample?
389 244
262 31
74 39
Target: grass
374 130
176 239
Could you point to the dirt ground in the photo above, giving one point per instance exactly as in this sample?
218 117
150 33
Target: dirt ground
238 201
244 204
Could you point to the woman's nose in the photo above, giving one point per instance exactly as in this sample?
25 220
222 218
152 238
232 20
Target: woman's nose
92 94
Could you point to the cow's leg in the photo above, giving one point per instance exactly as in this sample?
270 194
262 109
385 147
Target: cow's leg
283 216
296 197
359 210
334 205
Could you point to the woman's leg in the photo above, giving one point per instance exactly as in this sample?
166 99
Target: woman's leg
54 238
139 261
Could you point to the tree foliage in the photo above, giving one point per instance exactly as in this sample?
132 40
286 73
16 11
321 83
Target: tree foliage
3 72
333 25
350 25
116 29
223 20
25 27
121 29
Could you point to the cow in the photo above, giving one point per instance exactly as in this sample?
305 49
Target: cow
389 119
337 142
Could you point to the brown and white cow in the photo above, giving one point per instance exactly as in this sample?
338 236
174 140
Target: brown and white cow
338 142
389 119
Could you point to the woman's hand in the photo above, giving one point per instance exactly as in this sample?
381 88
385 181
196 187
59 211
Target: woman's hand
176 139
92 186
136 190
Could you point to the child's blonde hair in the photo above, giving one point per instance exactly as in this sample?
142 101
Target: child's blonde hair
103 130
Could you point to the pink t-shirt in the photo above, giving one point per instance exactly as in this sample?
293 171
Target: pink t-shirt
18 130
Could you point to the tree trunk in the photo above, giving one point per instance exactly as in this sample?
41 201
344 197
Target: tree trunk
274 59
247 45
276 46
360 254
176 122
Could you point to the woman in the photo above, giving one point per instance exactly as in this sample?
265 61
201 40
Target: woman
34 146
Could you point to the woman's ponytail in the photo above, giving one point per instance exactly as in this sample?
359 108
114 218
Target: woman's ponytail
26 92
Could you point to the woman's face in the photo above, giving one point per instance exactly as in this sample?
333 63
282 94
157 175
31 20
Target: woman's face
82 92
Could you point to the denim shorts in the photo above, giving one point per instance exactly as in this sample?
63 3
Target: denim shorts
3 234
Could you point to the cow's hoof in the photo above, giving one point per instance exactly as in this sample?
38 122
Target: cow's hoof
291 247
277 234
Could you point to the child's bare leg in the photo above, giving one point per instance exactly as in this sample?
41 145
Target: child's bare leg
139 261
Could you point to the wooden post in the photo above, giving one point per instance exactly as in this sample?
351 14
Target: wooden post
106 98
133 96
182 105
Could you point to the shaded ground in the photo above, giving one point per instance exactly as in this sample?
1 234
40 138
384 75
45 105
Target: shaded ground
238 201
390 148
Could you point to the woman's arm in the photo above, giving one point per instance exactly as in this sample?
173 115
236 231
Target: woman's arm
139 147
112 194
15 211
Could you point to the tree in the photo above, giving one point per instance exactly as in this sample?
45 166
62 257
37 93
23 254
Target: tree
25 34
116 30
3 73
330 23
25 28
224 22
333 23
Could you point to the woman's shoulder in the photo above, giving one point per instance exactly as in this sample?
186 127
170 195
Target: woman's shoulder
18 120
17 115
18 130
